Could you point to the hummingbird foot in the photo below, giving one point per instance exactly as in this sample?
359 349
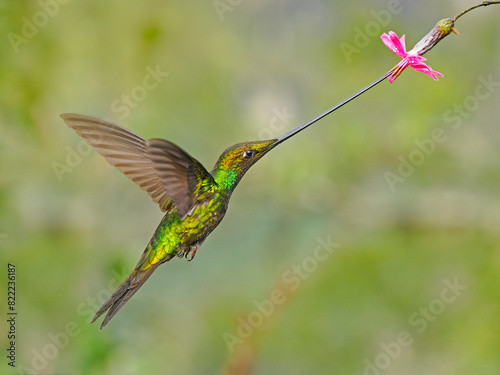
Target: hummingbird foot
190 251
190 255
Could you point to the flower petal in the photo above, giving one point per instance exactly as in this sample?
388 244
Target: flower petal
398 46
402 41
387 41
395 44
426 69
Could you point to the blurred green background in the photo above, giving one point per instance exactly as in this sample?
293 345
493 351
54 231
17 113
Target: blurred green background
240 70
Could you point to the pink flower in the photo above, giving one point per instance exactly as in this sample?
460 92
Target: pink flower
411 58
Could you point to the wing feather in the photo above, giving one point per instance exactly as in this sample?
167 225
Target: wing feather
159 167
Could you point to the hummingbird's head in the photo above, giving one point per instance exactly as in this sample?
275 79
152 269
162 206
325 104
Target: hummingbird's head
237 159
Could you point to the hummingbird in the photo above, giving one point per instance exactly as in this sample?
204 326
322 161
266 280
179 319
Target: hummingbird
194 200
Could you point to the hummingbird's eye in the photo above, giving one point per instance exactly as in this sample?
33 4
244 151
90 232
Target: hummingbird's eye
248 154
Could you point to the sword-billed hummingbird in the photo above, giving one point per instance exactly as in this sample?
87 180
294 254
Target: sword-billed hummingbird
193 199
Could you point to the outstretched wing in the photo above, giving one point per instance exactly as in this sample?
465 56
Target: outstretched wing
162 169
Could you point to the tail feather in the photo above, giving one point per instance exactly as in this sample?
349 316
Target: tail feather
124 292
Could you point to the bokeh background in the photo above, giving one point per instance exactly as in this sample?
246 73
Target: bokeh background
412 284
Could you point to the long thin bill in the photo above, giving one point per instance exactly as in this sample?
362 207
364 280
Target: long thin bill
298 129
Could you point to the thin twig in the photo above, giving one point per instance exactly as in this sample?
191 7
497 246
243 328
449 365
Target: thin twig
483 4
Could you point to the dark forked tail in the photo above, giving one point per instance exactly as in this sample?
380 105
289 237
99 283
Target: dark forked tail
124 292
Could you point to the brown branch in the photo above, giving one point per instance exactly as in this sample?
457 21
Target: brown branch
483 4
